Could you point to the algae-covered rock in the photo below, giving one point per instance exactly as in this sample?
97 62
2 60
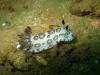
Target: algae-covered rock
86 7
6 5
17 60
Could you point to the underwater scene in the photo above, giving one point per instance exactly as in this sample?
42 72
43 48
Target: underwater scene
49 37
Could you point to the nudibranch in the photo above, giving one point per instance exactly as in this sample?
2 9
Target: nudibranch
44 41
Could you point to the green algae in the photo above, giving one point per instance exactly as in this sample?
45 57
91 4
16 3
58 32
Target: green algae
41 60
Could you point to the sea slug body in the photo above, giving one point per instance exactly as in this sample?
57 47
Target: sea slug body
44 41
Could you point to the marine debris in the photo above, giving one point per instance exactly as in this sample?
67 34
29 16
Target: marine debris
44 41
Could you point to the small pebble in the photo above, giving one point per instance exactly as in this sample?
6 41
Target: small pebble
4 24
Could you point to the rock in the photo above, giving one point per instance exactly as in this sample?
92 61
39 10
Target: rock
86 7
